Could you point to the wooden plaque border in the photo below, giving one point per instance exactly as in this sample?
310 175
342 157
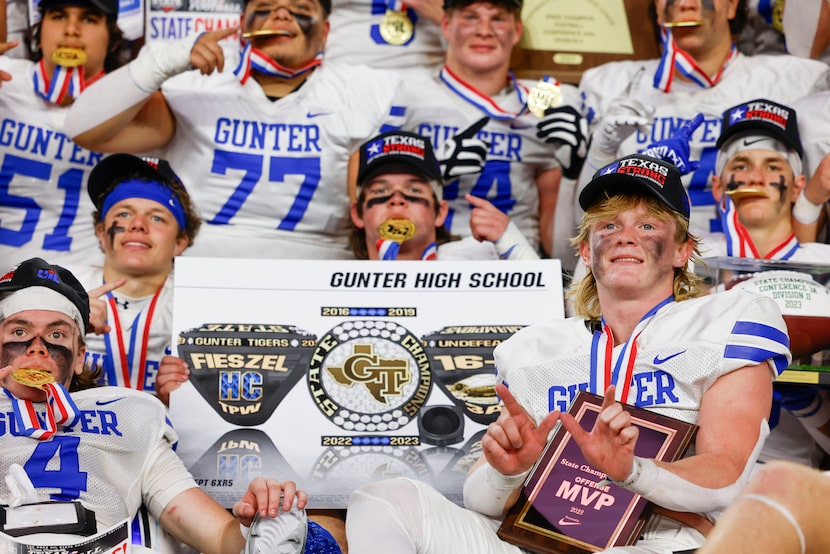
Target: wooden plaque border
522 524
535 64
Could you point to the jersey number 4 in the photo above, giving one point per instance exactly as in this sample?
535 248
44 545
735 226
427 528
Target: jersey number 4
54 464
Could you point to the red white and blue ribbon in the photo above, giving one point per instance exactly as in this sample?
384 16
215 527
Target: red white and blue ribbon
389 250
674 59
65 82
740 244
125 364
254 59
481 100
605 370
60 410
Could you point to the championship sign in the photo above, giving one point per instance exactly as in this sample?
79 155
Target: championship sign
334 374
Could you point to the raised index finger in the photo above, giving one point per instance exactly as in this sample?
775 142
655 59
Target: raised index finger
690 126
98 292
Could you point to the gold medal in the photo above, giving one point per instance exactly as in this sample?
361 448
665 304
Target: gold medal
396 27
676 24
745 192
544 95
31 377
778 16
397 229
69 57
264 33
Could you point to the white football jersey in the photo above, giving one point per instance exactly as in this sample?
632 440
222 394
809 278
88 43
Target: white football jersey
813 113
45 210
117 455
680 354
782 79
121 354
270 178
355 37
515 157
714 245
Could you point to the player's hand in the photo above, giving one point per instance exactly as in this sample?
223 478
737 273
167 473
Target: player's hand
626 116
206 55
4 372
172 372
565 128
5 47
268 497
98 307
514 442
465 153
675 149
487 222
818 187
609 446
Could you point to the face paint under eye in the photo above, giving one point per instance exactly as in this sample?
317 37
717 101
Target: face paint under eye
733 184
781 185
380 200
114 229
306 23
61 355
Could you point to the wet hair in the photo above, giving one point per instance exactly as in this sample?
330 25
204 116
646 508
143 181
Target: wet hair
357 238
583 293
192 219
116 45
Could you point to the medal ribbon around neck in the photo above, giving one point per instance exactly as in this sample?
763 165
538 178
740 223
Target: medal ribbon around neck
60 410
481 100
740 244
389 249
133 360
604 371
64 82
254 59
674 58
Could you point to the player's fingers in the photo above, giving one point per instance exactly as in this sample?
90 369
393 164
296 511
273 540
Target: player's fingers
690 126
5 371
573 427
473 129
629 435
6 46
610 392
100 291
511 405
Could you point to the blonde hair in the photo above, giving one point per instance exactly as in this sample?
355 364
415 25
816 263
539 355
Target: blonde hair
583 293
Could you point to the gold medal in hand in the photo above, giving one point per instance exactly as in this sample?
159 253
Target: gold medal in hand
31 377
544 94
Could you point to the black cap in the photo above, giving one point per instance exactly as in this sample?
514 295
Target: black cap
398 152
118 166
509 4
761 117
109 7
35 272
638 173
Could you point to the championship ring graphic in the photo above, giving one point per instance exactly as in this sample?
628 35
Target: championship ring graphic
369 376
234 460
244 371
462 362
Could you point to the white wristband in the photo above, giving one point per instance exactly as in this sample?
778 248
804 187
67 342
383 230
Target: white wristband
156 63
512 245
805 211
487 490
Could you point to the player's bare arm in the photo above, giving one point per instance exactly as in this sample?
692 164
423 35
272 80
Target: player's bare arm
5 47
816 193
547 184
125 111
430 9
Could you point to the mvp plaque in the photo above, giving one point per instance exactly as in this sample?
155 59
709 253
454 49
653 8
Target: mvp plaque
567 507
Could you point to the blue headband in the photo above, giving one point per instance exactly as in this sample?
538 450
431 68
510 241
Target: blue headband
151 190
